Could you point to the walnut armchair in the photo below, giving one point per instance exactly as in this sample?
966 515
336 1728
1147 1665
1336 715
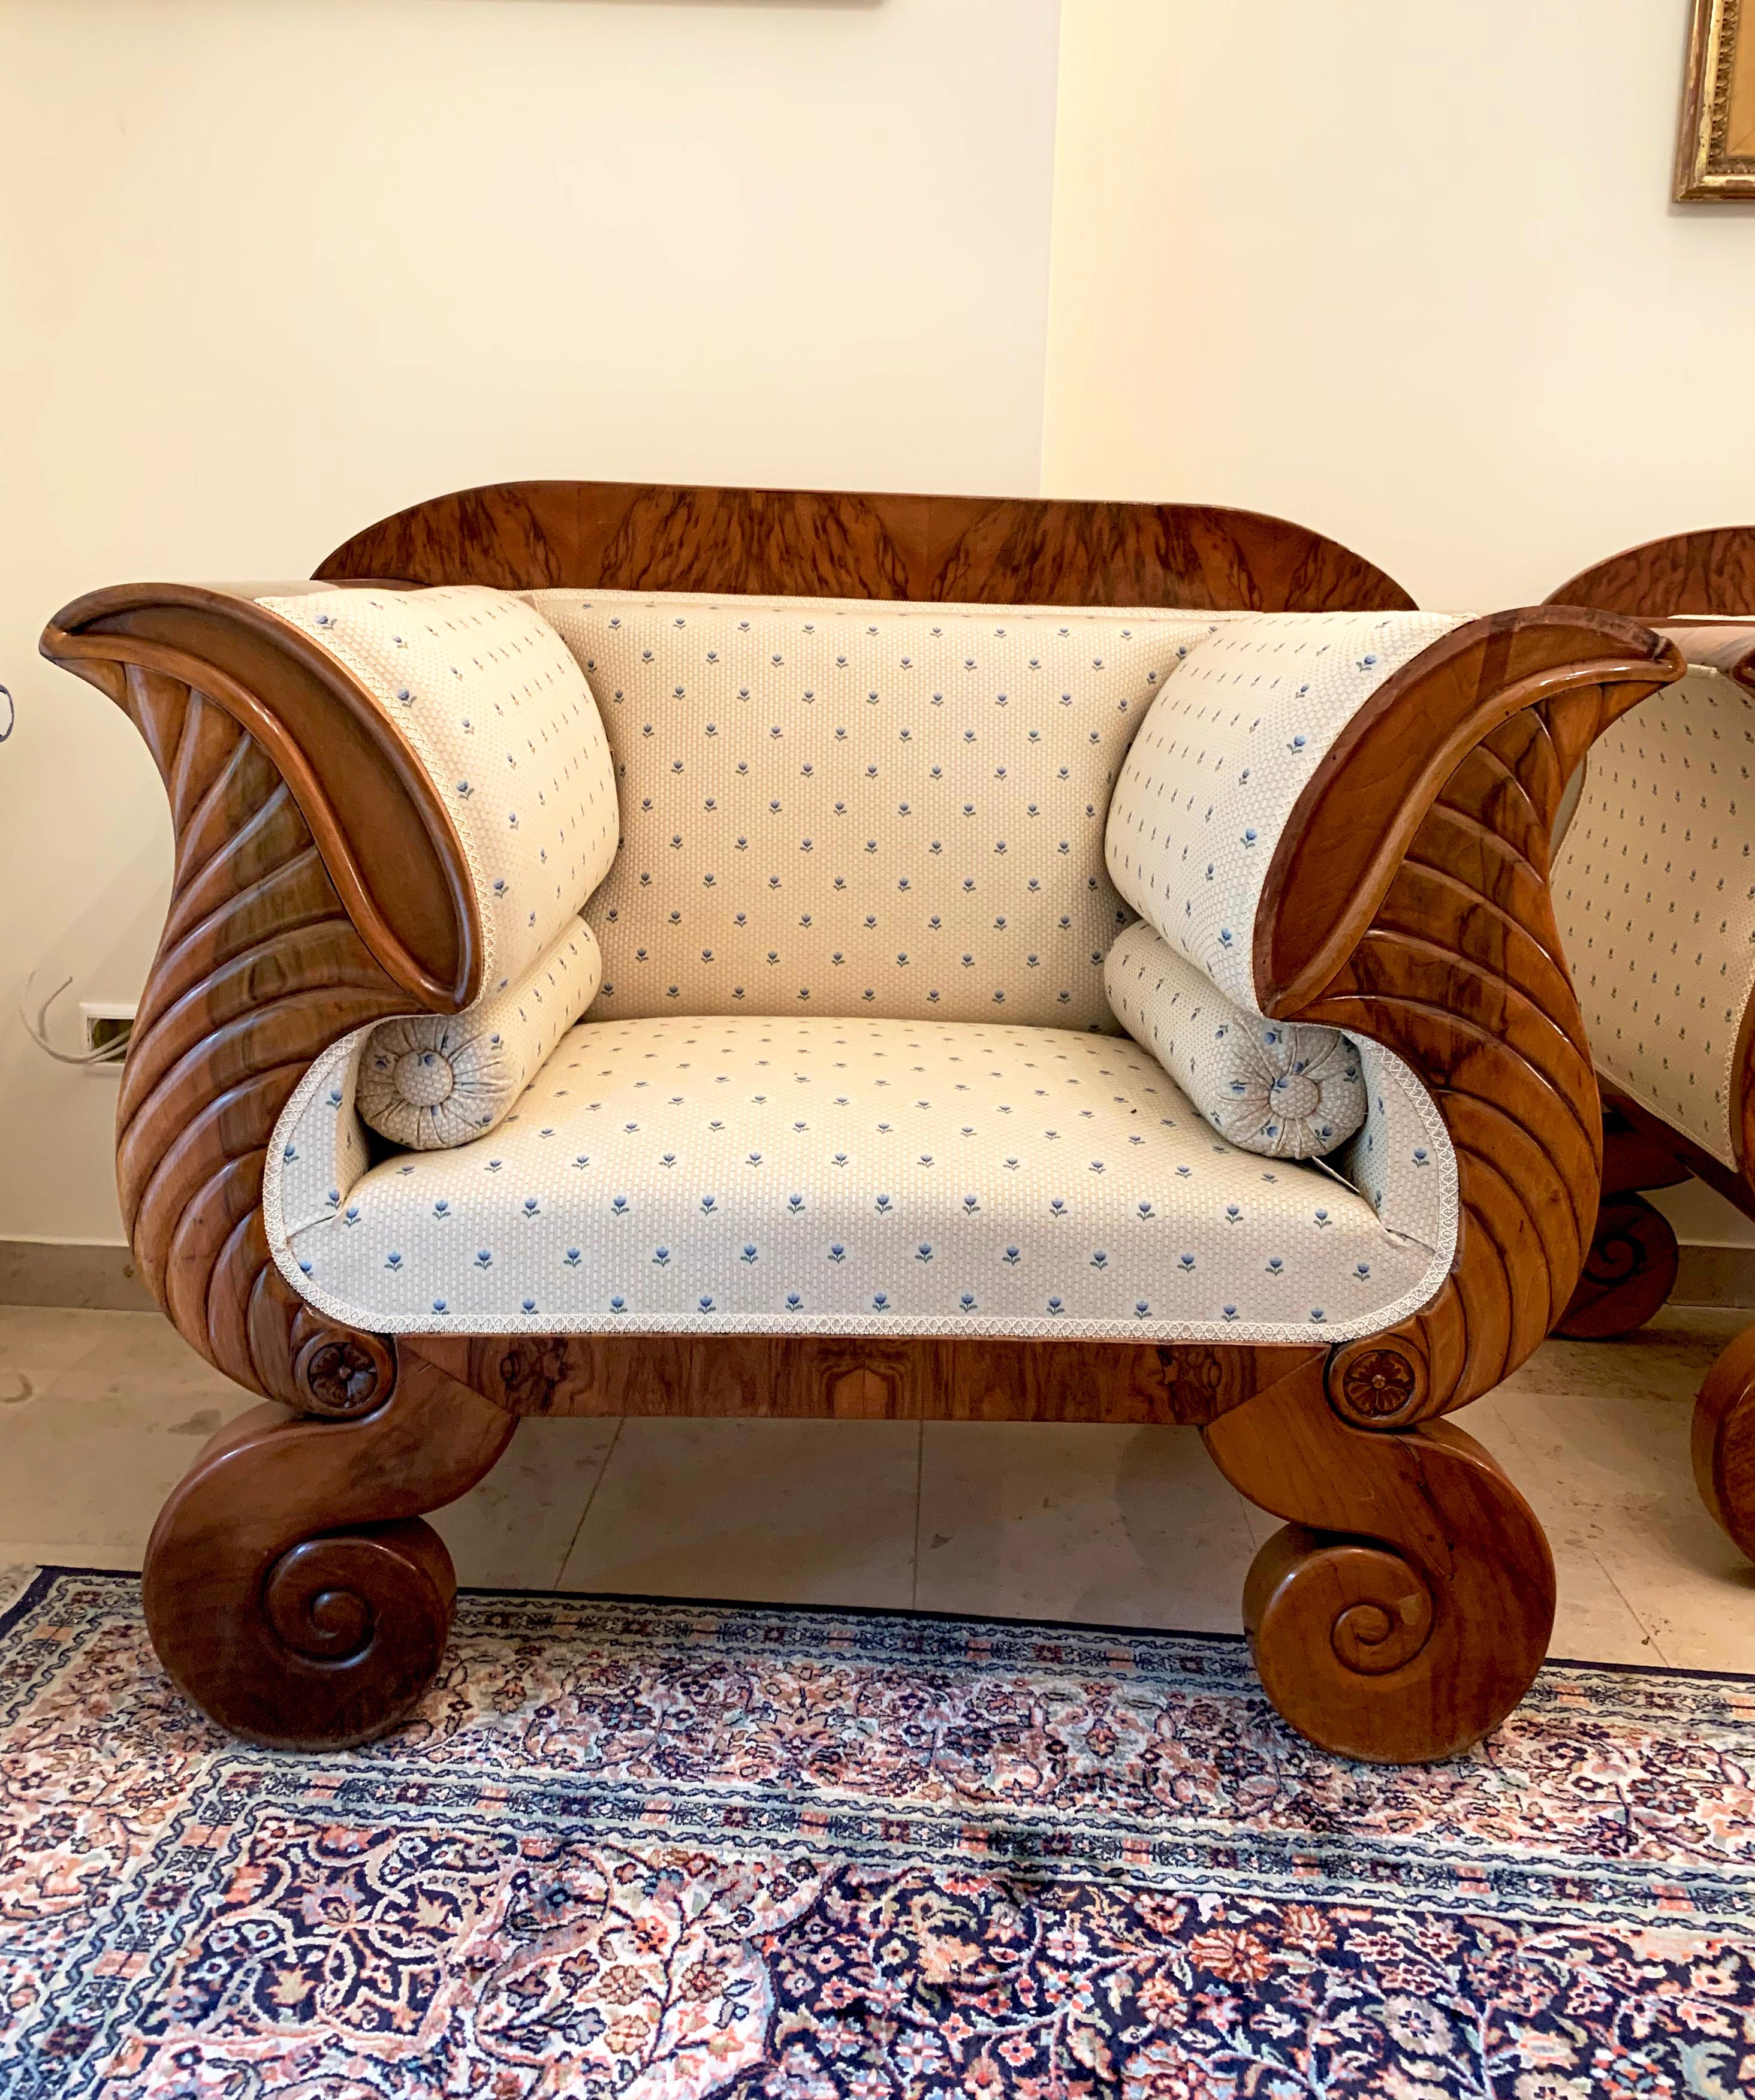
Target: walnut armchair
1656 899
328 882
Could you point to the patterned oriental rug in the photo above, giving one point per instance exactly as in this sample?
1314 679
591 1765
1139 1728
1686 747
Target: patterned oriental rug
660 1852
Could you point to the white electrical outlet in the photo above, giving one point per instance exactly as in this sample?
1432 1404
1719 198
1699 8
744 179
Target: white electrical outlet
108 1023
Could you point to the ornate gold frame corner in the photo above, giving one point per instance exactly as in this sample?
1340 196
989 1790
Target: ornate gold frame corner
1718 105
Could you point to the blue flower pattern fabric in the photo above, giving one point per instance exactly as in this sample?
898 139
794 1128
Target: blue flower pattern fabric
894 810
1654 888
759 1175
1288 1090
1402 1159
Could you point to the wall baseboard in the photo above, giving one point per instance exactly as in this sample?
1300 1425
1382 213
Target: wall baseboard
104 1278
1715 1276
76 1273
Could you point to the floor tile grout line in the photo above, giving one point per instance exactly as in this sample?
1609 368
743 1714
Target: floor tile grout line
1651 1639
578 1528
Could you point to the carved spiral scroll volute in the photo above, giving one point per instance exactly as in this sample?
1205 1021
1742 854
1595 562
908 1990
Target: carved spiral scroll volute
290 1589
1629 1270
1405 1608
1724 1441
1391 1615
319 1598
372 1610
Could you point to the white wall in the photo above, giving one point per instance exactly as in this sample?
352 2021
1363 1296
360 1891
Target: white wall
1406 272
271 268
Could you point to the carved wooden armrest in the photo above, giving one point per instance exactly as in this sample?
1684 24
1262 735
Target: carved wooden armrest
1724 645
318 885
1408 903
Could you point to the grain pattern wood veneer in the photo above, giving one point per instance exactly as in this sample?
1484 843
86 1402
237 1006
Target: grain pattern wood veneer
290 1586
624 536
817 1375
1700 587
1685 573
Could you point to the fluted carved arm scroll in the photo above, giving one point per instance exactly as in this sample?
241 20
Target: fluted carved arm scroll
318 885
1357 819
1408 903
382 832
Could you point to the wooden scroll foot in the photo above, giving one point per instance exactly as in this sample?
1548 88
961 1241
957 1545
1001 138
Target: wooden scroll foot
290 1590
1724 1441
1406 1609
1629 1270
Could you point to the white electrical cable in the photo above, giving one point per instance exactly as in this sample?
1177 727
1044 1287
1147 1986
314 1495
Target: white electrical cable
110 1054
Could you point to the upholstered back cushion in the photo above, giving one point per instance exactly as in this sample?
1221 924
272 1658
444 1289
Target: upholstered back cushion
852 808
1229 746
491 703
1288 1090
1654 888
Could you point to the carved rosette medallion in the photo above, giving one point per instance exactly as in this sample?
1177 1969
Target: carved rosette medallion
342 1374
1378 1383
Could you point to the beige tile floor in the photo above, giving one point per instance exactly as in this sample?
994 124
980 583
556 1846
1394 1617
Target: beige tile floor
100 1412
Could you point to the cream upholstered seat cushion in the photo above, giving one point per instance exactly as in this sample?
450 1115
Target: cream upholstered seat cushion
707 1175
492 703
1213 774
892 810
1654 890
429 1080
1288 1090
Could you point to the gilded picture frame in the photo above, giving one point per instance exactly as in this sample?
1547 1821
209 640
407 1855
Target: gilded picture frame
1715 159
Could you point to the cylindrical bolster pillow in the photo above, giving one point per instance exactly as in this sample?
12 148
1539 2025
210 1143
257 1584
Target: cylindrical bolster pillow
436 1079
1288 1089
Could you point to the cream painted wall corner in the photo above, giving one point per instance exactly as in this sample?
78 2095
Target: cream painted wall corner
1408 274
270 271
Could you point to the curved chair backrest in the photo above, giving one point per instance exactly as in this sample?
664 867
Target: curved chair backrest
624 535
1710 573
